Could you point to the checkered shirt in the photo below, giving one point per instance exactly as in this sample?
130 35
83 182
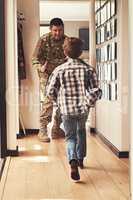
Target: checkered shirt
74 86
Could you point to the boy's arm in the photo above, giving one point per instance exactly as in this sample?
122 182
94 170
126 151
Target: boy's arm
53 86
95 92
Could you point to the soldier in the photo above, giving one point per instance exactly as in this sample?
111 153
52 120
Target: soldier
47 56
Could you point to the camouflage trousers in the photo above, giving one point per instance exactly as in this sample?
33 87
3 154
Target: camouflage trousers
48 113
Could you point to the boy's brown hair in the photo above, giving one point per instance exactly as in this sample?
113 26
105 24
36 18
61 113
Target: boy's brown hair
72 47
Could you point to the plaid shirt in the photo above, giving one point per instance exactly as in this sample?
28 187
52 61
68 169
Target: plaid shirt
74 86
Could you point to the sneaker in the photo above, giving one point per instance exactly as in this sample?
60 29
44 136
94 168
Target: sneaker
74 170
43 137
80 163
57 133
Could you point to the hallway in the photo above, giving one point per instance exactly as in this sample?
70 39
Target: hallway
42 172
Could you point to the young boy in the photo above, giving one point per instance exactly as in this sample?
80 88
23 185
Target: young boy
74 87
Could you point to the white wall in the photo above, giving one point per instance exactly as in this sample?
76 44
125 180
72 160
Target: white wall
72 27
112 116
68 11
124 72
29 98
131 92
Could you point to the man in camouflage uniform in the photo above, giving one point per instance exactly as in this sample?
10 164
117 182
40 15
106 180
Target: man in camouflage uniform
47 56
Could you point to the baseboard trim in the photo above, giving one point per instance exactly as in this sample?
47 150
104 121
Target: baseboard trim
11 152
119 154
21 133
123 154
29 131
93 130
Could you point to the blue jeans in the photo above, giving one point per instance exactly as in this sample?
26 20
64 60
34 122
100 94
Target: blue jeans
75 134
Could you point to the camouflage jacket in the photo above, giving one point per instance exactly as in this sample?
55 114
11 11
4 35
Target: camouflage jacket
50 50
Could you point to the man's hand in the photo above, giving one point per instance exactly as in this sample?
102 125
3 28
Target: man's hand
44 67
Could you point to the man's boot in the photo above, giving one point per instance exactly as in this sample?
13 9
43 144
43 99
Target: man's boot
56 131
43 137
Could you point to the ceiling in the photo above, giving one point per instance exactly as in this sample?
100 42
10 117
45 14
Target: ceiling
67 10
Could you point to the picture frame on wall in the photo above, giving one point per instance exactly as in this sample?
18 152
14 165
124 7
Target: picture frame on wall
109 71
105 54
98 3
105 91
110 92
109 52
98 71
113 8
96 20
113 91
102 88
113 50
113 71
102 16
103 2
98 54
104 10
107 96
108 10
113 28
102 34
101 72
98 36
107 31
105 71
84 36
99 18
116 90
102 54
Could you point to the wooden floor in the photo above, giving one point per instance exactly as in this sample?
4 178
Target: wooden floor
41 172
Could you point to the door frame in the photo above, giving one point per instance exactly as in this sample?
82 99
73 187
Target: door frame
3 132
